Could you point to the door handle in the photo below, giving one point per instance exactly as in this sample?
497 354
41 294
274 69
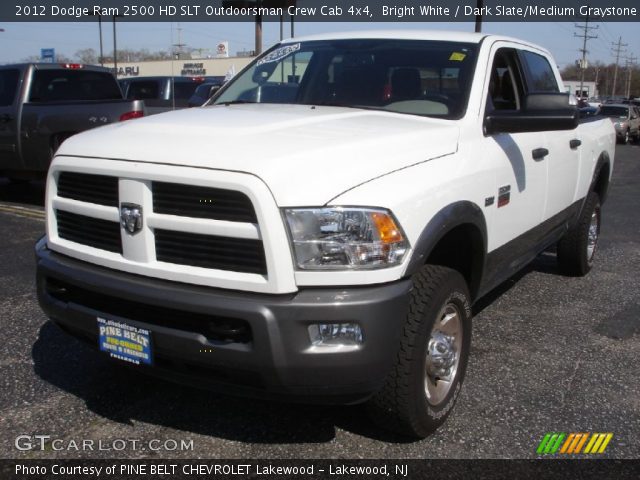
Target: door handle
575 143
5 117
539 153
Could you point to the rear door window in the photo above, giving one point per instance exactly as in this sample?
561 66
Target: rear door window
144 90
8 86
184 90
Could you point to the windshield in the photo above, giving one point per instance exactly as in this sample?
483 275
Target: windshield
406 76
614 111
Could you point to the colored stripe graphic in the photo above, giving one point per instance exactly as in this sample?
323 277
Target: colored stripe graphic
572 443
581 443
543 443
550 443
598 443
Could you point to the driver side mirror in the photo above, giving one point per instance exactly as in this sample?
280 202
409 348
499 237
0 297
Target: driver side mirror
540 112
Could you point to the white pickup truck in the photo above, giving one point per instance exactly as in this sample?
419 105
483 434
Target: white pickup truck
321 229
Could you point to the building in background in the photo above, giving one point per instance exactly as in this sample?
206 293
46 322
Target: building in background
589 89
199 67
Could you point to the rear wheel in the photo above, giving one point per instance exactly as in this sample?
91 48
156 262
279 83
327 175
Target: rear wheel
577 249
425 381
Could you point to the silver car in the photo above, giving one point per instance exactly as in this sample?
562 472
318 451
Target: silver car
626 120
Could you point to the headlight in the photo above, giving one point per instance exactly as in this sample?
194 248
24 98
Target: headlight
339 238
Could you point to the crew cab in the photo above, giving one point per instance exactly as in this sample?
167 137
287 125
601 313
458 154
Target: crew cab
320 230
42 104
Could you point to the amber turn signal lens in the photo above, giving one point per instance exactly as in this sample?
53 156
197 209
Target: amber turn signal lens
387 229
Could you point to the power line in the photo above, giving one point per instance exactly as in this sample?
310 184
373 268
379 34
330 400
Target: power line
617 50
585 36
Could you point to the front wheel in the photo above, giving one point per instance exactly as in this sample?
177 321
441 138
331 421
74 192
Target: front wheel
429 368
625 138
577 249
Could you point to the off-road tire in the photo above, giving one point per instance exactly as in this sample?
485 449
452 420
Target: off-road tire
574 258
402 405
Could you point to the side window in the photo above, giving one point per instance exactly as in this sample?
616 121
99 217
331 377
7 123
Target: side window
540 77
8 86
505 84
143 90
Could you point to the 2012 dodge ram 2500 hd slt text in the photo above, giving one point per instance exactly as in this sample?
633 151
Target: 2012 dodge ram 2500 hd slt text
321 229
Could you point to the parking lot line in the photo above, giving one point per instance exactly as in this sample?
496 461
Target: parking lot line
23 211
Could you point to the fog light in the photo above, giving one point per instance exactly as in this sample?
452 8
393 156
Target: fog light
335 334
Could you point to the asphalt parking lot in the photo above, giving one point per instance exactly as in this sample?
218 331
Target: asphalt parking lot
549 354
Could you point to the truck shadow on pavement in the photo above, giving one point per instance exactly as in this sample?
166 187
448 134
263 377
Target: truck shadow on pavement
123 396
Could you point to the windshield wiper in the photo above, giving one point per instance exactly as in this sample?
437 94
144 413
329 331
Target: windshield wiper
346 105
235 102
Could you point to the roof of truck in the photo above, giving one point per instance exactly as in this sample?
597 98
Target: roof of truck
442 35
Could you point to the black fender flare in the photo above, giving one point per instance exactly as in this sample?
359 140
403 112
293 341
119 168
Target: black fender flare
448 218
603 161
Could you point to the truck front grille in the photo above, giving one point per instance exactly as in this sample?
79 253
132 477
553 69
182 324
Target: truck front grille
202 202
208 251
100 189
93 232
182 224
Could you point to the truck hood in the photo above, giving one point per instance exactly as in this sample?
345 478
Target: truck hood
306 155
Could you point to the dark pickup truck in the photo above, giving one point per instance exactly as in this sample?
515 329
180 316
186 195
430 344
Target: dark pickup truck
165 93
41 105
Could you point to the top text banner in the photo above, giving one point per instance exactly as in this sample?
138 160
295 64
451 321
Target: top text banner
320 10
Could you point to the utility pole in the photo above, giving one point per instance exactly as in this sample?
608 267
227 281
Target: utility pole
179 45
585 36
100 35
617 50
631 62
115 48
479 6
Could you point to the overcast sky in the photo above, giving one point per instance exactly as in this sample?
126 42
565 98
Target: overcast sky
20 40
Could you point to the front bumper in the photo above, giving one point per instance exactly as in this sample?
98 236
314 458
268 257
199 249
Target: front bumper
237 342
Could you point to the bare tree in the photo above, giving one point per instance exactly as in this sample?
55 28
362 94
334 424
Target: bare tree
60 58
88 56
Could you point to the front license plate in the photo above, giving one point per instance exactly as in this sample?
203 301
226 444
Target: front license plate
124 342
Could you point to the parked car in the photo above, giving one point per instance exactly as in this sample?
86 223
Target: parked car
321 230
42 104
589 111
633 101
594 102
163 93
625 119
